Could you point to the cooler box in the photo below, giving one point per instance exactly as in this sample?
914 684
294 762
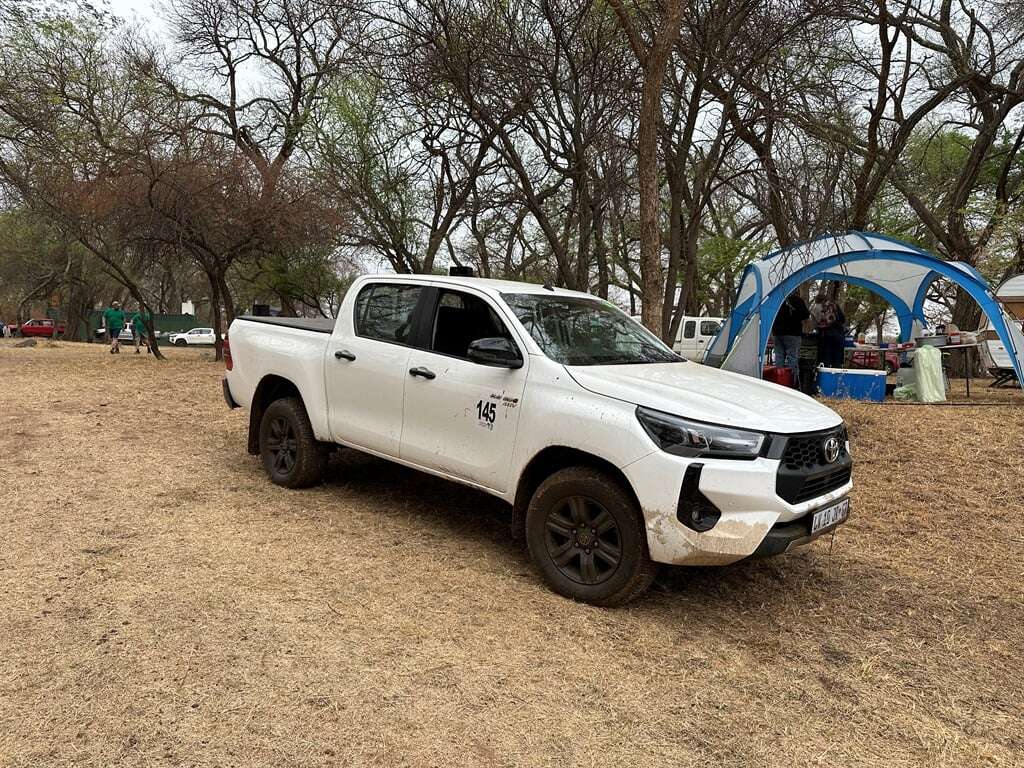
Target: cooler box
782 376
852 385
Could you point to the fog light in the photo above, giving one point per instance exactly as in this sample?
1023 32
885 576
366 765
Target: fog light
695 510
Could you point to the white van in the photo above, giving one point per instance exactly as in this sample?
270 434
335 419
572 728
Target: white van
695 335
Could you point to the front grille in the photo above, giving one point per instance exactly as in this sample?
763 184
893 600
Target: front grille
818 486
807 452
804 474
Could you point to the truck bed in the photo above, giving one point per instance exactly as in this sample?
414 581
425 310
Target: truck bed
315 324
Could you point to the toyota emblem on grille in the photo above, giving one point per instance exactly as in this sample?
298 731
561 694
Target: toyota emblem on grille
831 448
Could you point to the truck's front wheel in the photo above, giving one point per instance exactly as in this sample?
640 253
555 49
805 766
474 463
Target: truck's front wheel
291 454
586 535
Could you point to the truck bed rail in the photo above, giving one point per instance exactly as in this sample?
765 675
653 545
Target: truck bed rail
314 324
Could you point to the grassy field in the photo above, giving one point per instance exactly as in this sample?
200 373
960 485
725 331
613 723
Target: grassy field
161 603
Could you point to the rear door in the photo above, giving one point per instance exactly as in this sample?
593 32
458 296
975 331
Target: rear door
461 417
367 366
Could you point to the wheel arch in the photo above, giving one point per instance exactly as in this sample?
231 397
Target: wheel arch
271 387
544 464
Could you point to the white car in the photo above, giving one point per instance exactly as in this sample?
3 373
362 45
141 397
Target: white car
614 452
194 336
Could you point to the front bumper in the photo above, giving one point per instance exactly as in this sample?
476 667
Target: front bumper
754 518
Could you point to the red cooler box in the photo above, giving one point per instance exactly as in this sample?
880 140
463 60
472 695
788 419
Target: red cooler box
781 376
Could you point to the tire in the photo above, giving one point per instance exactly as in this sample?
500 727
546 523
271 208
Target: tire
558 544
303 458
180 343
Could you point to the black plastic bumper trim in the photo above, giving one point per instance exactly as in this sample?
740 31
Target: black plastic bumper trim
227 394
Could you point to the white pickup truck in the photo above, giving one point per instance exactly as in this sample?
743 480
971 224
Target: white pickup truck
614 452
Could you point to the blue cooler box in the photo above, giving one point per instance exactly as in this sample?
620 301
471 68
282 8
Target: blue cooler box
852 385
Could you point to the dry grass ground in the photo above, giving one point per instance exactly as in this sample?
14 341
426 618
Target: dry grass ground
162 604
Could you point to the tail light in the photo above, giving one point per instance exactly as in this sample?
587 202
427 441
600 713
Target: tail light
226 351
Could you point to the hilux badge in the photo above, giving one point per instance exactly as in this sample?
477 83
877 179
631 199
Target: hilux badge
831 448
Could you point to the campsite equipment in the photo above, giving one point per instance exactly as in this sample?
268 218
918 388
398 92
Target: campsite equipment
999 364
776 375
931 382
896 271
853 385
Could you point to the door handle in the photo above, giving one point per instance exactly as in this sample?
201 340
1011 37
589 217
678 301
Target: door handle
422 373
344 354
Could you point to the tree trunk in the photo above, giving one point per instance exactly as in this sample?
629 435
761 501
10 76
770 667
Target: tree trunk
215 306
675 244
600 253
229 314
651 275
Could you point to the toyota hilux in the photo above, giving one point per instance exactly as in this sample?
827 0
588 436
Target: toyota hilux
615 453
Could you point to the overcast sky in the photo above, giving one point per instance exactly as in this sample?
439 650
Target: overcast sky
143 10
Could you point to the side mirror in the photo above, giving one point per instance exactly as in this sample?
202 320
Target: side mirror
495 351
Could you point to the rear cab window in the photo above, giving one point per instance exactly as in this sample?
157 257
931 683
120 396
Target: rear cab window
384 311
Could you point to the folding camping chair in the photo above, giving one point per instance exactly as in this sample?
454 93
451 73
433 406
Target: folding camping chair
1001 367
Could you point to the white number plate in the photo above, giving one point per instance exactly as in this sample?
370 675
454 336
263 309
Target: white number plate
830 516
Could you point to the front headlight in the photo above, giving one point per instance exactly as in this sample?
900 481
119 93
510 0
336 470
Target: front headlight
693 439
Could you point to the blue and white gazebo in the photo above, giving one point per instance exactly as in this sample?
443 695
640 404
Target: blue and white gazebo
898 272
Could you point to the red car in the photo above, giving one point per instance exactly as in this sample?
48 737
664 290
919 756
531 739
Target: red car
40 328
861 358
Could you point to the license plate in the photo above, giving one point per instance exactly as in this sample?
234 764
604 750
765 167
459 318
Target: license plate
829 517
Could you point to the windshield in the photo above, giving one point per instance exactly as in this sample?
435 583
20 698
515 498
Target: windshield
576 331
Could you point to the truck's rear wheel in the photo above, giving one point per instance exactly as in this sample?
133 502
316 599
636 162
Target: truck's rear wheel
291 454
586 535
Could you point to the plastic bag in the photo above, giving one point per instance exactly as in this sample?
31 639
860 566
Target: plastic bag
906 392
931 384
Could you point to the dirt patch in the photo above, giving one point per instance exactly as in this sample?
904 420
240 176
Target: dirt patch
161 602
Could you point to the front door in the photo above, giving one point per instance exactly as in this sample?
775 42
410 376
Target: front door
367 367
461 417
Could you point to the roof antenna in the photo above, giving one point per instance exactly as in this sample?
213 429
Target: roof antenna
548 286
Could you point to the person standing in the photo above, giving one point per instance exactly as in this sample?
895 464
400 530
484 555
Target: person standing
788 330
113 320
139 320
830 322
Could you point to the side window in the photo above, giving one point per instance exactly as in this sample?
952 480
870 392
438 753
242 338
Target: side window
384 312
689 329
709 327
462 319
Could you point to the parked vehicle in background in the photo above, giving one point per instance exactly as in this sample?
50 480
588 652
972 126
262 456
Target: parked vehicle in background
195 336
694 336
614 452
865 358
43 328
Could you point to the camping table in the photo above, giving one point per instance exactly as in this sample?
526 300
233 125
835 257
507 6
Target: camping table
967 361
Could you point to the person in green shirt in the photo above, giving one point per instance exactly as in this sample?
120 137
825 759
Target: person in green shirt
113 321
139 320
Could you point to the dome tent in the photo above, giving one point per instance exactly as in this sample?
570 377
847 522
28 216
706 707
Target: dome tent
898 272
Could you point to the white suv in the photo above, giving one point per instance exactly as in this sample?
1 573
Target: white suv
195 336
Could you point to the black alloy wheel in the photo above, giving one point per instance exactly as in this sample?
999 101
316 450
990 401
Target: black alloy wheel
282 445
291 454
588 538
583 540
